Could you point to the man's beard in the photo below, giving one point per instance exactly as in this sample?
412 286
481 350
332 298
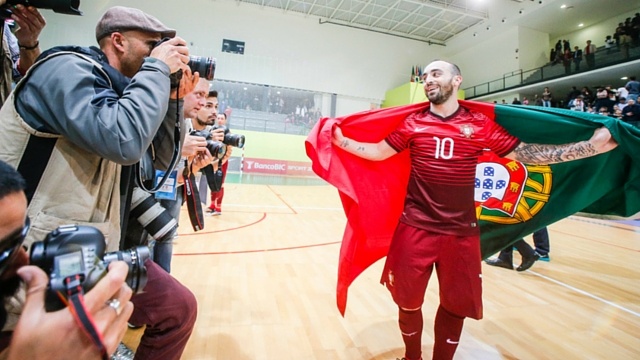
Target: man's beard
443 95
8 288
204 123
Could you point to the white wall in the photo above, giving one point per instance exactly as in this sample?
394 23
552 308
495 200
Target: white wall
488 59
281 50
534 48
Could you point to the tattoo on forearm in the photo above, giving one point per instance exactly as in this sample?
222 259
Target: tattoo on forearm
344 143
360 148
551 154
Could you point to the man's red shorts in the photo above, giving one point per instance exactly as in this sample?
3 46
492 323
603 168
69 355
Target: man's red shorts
411 259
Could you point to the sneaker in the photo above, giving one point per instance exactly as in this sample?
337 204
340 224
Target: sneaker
123 353
211 212
544 258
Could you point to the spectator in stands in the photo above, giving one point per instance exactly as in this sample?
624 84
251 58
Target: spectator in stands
622 103
587 95
516 101
525 101
566 61
577 104
633 87
608 44
590 55
577 58
632 113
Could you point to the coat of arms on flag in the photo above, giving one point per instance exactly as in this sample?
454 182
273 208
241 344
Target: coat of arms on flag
508 191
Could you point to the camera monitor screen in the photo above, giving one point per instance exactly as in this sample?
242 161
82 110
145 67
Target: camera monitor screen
69 264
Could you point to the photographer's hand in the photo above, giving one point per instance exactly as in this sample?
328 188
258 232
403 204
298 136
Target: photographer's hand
201 160
30 24
193 145
55 335
174 53
217 134
188 82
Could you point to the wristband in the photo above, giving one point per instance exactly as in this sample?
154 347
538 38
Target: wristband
35 46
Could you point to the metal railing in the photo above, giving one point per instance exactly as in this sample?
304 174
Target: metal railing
604 58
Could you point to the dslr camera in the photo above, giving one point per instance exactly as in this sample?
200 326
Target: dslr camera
235 140
79 250
69 7
205 66
216 148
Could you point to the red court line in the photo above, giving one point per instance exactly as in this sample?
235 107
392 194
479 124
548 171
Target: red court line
259 250
281 199
264 216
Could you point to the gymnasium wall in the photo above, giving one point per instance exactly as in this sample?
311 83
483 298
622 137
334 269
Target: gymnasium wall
280 49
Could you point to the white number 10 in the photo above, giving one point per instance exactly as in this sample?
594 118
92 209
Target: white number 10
441 145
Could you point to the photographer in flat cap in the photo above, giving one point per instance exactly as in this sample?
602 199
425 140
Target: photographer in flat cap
73 126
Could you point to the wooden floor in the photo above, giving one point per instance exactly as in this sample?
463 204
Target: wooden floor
264 274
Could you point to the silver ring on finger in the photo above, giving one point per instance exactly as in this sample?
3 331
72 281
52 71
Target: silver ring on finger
115 305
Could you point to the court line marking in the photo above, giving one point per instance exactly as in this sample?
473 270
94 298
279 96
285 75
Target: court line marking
585 293
259 250
264 216
285 207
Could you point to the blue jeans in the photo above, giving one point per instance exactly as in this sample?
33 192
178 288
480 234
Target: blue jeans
163 248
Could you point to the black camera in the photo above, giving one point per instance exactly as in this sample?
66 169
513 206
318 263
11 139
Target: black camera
216 148
205 66
69 7
79 250
236 140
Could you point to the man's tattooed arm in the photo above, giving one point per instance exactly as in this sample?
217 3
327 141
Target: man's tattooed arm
600 142
371 151
552 154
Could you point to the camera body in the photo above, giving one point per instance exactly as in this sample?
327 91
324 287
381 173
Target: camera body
216 148
79 250
69 7
205 66
235 140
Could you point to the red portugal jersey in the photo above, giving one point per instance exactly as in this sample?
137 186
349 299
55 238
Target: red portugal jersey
444 154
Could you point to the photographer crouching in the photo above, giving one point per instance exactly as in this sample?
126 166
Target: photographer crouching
41 333
70 126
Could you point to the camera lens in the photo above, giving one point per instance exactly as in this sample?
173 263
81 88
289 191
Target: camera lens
205 66
135 258
216 148
236 140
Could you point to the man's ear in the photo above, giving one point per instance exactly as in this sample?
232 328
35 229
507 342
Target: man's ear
118 41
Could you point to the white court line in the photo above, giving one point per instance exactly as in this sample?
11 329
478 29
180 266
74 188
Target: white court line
285 207
586 293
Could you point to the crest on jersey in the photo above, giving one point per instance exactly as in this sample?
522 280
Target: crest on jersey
508 191
467 131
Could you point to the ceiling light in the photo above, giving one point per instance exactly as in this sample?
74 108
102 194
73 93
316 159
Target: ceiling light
580 25
624 78
563 6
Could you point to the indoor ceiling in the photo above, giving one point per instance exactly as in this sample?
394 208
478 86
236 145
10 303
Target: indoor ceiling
439 21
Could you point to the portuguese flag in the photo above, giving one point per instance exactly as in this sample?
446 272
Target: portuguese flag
512 199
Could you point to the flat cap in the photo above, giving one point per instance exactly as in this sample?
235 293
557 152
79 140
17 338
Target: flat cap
120 18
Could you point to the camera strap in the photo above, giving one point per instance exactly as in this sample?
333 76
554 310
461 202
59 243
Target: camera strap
192 197
81 315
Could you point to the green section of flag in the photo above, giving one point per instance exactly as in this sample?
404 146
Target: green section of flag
606 184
